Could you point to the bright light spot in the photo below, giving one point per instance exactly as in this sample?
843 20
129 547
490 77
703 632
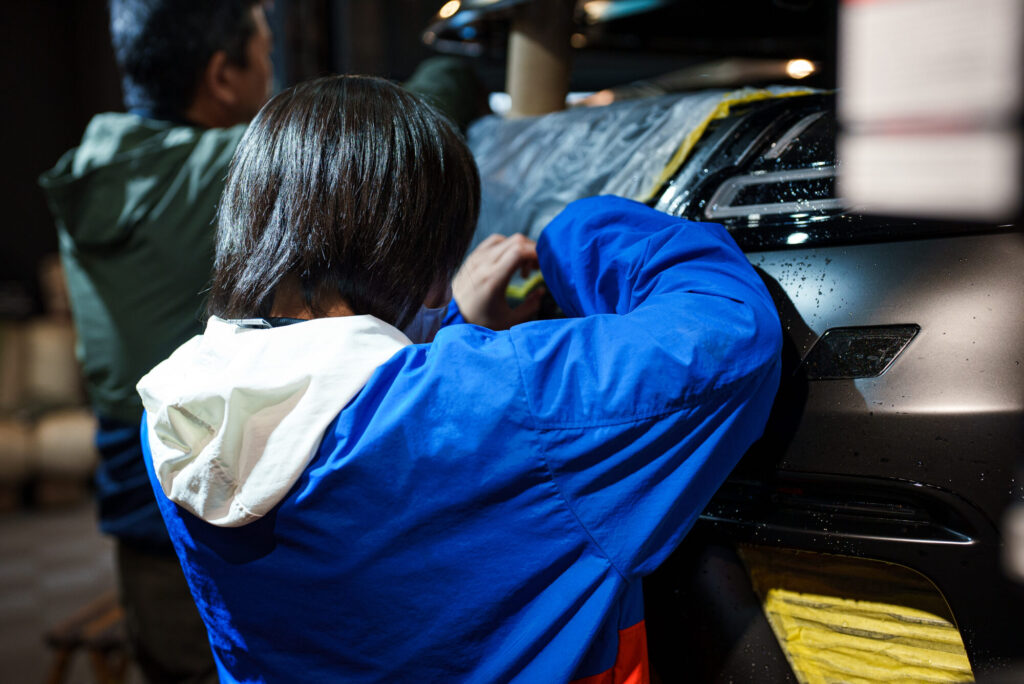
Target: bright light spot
797 238
799 68
578 40
449 9
501 103
595 9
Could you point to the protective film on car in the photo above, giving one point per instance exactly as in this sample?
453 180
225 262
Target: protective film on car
531 168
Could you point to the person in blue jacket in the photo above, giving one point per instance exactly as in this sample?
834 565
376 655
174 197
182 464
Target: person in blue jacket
351 502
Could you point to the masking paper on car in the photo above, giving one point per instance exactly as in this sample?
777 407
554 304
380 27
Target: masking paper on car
531 168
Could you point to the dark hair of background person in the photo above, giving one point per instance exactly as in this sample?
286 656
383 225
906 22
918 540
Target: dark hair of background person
162 47
349 186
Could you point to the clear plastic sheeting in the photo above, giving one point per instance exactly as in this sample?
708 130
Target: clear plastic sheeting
530 169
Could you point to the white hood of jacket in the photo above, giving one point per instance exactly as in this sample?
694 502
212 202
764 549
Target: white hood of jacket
235 415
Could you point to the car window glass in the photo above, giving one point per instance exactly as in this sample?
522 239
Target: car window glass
809 142
792 181
679 192
768 174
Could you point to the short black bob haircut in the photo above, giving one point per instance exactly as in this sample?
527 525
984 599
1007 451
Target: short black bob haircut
162 47
344 185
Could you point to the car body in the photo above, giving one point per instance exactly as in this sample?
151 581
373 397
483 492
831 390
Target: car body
889 459
899 425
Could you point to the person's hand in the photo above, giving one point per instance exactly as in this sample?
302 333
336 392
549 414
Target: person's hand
479 286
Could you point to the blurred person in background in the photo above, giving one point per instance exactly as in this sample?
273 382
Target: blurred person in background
134 205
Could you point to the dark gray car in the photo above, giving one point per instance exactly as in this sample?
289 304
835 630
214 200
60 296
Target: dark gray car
897 431
874 501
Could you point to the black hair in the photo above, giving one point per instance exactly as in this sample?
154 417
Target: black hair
162 47
345 186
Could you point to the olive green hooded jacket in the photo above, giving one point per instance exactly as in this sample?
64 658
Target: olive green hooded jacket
134 206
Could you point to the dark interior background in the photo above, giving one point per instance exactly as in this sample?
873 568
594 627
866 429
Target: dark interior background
58 70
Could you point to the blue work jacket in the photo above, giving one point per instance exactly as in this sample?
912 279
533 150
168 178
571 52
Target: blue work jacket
484 507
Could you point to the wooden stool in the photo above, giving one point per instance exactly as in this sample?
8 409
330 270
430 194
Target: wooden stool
98 628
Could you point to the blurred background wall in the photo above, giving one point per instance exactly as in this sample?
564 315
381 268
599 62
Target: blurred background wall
58 70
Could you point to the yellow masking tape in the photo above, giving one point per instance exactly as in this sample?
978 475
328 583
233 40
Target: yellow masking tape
691 140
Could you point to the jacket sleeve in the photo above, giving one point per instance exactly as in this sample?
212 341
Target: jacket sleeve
452 315
647 398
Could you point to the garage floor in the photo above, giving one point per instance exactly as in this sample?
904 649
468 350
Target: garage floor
51 563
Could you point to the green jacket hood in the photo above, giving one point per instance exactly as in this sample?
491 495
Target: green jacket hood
124 168
134 206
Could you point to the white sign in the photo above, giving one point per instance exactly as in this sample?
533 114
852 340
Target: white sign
930 103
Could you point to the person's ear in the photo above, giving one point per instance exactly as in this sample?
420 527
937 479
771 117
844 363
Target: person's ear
221 80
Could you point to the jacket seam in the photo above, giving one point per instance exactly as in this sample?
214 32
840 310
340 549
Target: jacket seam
710 395
550 472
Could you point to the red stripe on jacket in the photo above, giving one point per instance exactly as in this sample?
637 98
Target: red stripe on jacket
631 666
